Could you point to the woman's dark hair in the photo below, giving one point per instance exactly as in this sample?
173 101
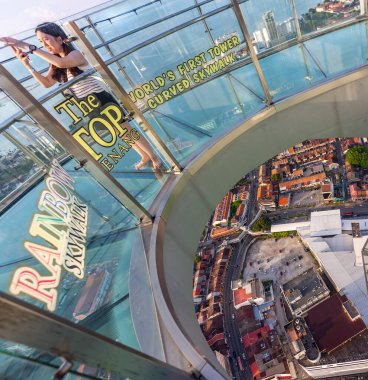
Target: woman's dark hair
57 73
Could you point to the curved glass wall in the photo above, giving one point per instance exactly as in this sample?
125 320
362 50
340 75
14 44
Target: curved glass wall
198 75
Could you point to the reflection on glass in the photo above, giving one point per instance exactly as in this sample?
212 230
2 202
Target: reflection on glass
180 135
223 25
139 36
15 169
290 71
102 126
7 107
315 15
186 122
92 233
38 141
341 50
212 5
125 17
269 23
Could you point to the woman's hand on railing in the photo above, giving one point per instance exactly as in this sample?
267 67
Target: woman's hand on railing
13 42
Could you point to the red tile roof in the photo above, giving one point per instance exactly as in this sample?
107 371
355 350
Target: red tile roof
251 338
284 200
331 325
242 295
304 181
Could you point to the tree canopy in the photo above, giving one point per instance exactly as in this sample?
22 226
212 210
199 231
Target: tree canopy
275 177
358 156
262 224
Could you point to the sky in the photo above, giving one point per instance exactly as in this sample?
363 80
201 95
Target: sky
19 15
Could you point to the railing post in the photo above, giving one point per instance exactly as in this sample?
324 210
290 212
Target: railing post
107 47
106 74
45 120
363 7
296 20
252 52
208 29
23 323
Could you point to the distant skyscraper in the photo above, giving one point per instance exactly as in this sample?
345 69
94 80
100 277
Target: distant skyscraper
269 21
266 37
290 25
258 39
286 29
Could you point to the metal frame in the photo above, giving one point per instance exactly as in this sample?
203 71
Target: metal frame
113 83
252 52
24 149
45 120
261 55
107 47
166 33
296 20
152 24
26 324
208 29
364 3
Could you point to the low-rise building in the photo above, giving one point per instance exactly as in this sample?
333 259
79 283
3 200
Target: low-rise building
304 292
312 181
327 191
358 191
265 197
262 174
334 322
222 211
296 345
284 200
265 355
240 193
247 293
221 232
213 330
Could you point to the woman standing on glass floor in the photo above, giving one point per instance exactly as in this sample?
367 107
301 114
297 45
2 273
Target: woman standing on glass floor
66 63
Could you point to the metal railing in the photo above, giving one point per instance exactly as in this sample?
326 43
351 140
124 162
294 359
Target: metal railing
24 323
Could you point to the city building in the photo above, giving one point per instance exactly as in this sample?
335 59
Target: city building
265 354
247 293
312 181
328 191
334 322
358 191
303 292
265 197
222 211
270 24
325 223
302 343
284 200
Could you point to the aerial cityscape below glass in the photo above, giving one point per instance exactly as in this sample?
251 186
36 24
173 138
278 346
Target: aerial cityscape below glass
279 276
